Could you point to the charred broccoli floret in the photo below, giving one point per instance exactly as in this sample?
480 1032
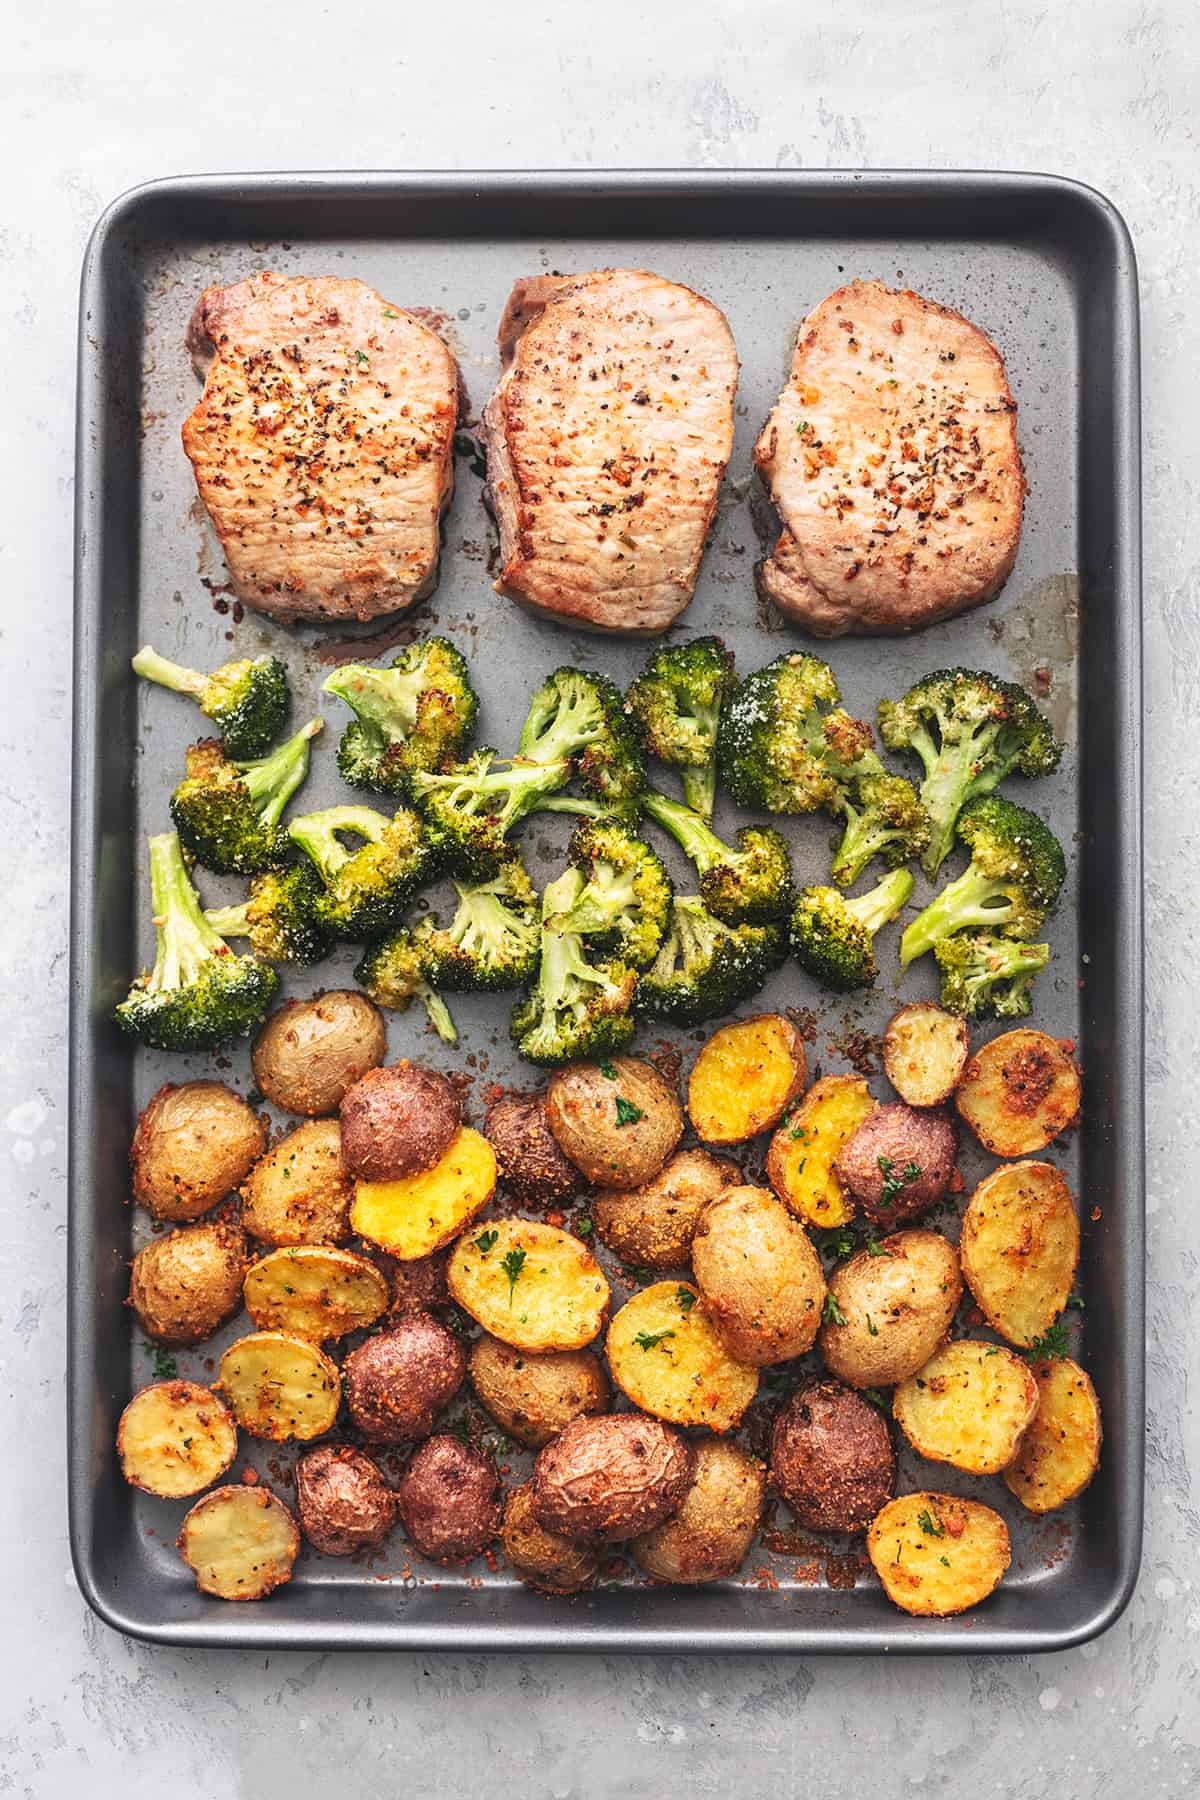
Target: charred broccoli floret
751 885
833 937
470 809
247 701
492 942
393 973
705 967
227 813
576 1008
198 994
988 977
677 701
578 718
1016 870
419 714
364 890
280 916
625 902
970 730
785 744
884 817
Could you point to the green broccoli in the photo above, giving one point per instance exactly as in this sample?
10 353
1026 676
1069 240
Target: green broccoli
987 977
677 701
364 890
579 718
884 818
493 940
785 744
1012 884
280 916
705 967
419 714
751 885
832 937
625 902
198 994
247 701
470 809
970 730
227 813
392 971
575 1008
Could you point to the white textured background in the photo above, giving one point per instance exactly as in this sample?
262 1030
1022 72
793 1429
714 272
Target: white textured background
95 98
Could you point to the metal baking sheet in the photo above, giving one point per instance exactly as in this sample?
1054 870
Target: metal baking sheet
1047 268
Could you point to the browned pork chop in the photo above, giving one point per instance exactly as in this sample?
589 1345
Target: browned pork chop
892 459
607 438
323 445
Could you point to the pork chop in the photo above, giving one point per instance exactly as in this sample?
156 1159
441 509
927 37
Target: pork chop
892 460
607 437
323 445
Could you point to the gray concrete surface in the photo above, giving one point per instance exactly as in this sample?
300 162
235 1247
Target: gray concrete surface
95 98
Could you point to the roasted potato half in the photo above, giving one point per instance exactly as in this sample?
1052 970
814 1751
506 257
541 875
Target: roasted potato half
1018 1092
175 1438
889 1308
832 1459
542 1558
415 1215
802 1153
760 1278
925 1050
239 1542
969 1406
531 1285
310 1052
1060 1452
192 1146
617 1120
610 1477
315 1291
449 1500
897 1163
710 1535
936 1554
1019 1248
652 1226
398 1381
398 1121
745 1078
532 1397
185 1285
531 1165
299 1192
343 1501
279 1386
665 1354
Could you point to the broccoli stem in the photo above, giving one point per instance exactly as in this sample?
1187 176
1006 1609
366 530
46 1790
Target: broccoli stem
165 673
700 788
861 841
186 939
272 780
949 783
316 834
697 841
229 921
971 900
883 902
439 1012
384 697
567 803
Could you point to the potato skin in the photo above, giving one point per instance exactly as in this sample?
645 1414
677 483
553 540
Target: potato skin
343 1501
532 1167
709 1536
760 1278
397 1121
532 1396
310 1052
300 1192
397 1381
582 1112
416 1286
541 1558
449 1500
890 1140
898 1307
652 1226
185 1285
610 1477
832 1457
192 1146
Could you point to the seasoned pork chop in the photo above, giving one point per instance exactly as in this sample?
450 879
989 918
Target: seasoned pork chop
323 445
892 459
607 437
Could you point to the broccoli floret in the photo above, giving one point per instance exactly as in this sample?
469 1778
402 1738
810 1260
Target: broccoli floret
884 817
677 701
576 1008
705 967
785 745
419 714
364 890
751 885
227 813
493 940
988 977
280 916
470 809
393 973
1011 885
832 937
198 994
579 718
247 701
970 730
625 902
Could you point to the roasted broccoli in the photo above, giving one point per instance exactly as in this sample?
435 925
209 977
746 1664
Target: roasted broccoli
785 744
579 718
751 885
677 701
247 701
884 817
364 890
393 973
227 813
970 730
624 904
198 994
705 967
470 809
832 937
280 916
1012 883
419 714
493 940
988 977
576 1008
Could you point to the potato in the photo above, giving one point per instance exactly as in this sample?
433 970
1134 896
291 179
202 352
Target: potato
708 1538
607 1478
617 1120
185 1285
192 1146
531 1165
175 1438
925 1052
530 1285
533 1397
398 1121
449 1500
343 1501
664 1353
652 1226
889 1309
240 1542
418 1285
541 1558
279 1386
1060 1452
801 1154
760 1278
1019 1092
299 1192
415 1215
832 1459
398 1381
745 1078
897 1163
968 1406
1019 1248
315 1291
310 1052
936 1554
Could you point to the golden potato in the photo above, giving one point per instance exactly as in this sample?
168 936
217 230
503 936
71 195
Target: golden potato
185 1285
310 1052
609 1477
710 1535
890 1308
760 1278
664 1353
279 1386
617 1120
801 1155
315 1291
1019 1248
652 1226
531 1285
936 1554
1019 1092
542 1558
531 1165
745 1078
533 1397
1060 1452
240 1543
925 1051
415 1215
192 1146
175 1438
969 1406
398 1121
299 1192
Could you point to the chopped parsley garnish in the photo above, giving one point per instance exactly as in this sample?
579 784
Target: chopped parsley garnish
836 1241
649 1340
187 1443
803 425
945 1561
872 1327
1075 1303
609 1071
361 356
831 1312
584 1228
873 1247
876 1398
165 1366
512 1263
627 1112
686 1298
1053 1344
892 1183
486 1241
931 1526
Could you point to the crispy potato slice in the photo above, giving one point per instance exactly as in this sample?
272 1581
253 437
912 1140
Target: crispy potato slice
174 1438
530 1285
936 1554
240 1542
745 1078
801 1154
925 1051
419 1213
1019 1248
666 1356
280 1386
1018 1092
315 1291
1060 1452
968 1406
